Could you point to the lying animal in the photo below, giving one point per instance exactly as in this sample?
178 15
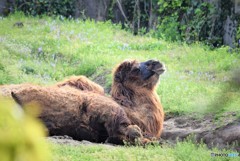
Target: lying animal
133 91
134 88
80 114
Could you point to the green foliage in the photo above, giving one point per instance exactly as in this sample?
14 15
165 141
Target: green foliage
169 29
197 28
183 20
180 20
49 7
169 26
169 7
21 135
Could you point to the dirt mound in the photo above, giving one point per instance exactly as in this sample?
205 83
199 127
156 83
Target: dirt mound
224 134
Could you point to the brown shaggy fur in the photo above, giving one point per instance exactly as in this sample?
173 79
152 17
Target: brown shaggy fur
80 114
134 87
82 83
5 90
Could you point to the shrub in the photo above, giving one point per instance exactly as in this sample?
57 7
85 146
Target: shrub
21 135
49 7
168 30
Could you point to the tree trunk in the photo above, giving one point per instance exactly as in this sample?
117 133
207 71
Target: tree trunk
6 6
230 23
93 9
152 21
119 13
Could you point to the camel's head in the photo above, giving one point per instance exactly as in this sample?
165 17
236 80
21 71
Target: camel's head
134 74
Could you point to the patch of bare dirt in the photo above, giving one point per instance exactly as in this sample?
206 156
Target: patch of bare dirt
220 134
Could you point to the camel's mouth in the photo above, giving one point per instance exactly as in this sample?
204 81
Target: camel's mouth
159 70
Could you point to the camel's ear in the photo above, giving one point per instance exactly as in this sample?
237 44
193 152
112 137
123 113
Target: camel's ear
119 92
122 70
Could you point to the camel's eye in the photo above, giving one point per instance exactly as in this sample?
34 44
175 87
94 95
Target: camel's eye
136 70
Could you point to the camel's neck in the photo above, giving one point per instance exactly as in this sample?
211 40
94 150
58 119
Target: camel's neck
135 97
149 110
147 97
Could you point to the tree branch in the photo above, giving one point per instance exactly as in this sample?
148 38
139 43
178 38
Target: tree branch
121 9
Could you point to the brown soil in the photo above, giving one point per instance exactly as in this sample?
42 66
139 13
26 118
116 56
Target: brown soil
220 134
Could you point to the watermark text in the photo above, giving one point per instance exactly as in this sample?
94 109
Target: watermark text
225 155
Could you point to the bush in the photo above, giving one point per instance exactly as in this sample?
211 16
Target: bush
168 30
49 7
21 136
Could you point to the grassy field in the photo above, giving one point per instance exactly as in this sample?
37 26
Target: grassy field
185 151
46 50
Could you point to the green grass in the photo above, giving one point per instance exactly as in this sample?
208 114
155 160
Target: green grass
47 50
186 151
